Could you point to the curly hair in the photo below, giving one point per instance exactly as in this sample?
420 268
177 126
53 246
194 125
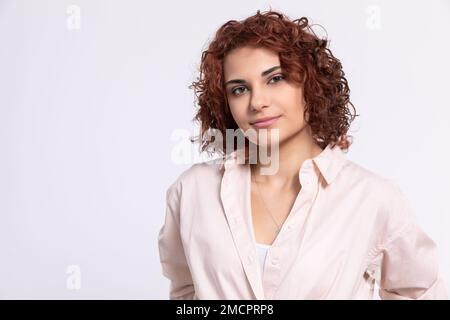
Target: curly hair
304 57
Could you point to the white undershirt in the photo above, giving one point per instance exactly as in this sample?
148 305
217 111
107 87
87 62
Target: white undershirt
262 253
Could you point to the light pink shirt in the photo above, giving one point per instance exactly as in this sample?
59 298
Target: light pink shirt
347 229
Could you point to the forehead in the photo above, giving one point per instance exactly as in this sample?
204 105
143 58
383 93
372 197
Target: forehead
249 61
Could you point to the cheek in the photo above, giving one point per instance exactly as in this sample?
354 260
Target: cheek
294 107
293 118
297 114
239 115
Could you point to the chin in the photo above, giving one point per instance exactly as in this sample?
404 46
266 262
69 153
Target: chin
269 144
263 137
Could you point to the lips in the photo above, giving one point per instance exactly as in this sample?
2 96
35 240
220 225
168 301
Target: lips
265 122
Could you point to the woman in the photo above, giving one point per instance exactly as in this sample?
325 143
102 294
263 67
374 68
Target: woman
318 226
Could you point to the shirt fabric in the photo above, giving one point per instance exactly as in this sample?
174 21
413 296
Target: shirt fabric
348 228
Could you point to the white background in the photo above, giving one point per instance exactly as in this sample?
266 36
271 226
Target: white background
88 108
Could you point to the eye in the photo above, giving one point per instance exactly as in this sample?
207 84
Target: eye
235 91
280 76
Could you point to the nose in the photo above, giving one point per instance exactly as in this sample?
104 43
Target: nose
258 100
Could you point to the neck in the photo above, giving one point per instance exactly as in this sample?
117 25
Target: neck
292 153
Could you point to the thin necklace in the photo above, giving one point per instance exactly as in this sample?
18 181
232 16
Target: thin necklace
267 209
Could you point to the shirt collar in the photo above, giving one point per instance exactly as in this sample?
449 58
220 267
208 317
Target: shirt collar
329 162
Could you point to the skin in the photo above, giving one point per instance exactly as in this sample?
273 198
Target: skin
264 96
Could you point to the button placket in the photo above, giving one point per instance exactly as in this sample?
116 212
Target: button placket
234 221
275 261
272 277
250 259
305 174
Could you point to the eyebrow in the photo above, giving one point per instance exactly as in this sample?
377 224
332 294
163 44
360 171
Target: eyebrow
264 73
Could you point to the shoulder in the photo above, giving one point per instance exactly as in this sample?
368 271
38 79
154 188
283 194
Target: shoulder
393 208
201 174
355 174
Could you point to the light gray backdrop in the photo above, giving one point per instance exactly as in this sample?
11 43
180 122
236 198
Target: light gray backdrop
94 100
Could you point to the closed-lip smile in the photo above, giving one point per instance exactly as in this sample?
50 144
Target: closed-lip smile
264 122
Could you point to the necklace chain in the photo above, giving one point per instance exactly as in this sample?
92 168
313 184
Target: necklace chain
267 209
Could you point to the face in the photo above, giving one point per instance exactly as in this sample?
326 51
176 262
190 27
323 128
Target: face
257 88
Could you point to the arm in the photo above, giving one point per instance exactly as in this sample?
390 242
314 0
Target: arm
407 258
171 251
410 267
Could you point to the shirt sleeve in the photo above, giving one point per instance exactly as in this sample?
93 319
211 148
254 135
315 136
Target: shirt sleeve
407 258
171 251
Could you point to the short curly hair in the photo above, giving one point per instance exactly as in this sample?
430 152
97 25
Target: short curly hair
303 56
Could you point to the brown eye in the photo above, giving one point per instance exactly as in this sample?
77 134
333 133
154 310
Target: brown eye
281 77
235 90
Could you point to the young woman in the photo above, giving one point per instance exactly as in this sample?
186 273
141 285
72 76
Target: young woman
319 226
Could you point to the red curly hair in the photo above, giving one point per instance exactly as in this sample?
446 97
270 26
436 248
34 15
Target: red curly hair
303 56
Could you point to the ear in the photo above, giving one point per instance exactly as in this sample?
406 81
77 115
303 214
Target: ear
306 112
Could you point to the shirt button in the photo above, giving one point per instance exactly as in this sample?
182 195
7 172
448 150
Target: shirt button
275 261
307 164
234 221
